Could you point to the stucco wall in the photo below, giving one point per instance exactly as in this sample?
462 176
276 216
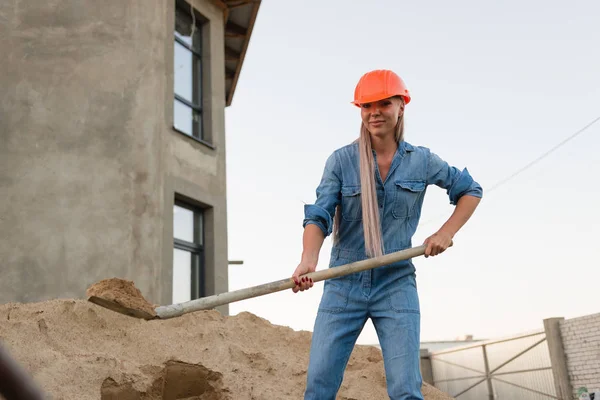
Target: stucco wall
88 160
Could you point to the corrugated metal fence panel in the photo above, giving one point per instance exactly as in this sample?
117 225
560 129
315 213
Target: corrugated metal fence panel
537 357
520 369
509 392
460 364
478 392
540 381
455 372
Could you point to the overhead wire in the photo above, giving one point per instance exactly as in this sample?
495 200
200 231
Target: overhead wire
527 166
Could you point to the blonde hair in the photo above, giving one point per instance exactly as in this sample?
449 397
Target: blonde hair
370 210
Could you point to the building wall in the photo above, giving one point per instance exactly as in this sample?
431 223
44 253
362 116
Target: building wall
89 162
581 342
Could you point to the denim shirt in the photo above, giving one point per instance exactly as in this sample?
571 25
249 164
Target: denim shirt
400 198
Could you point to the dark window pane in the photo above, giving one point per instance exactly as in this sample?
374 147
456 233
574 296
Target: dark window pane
182 276
183 224
187 120
183 28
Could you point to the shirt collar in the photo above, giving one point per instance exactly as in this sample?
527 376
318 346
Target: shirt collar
406 147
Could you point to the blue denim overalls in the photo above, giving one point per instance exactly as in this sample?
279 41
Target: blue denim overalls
388 294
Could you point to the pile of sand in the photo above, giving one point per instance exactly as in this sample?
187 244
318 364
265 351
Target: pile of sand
78 350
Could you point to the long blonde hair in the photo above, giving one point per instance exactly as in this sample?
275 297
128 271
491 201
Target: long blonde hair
370 210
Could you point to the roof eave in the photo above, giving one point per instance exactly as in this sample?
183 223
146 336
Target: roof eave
231 80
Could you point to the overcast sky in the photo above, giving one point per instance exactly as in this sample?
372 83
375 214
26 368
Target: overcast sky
494 86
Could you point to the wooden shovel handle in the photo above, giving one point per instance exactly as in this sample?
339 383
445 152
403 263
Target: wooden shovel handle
210 302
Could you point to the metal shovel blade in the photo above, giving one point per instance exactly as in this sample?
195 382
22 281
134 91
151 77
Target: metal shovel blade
114 306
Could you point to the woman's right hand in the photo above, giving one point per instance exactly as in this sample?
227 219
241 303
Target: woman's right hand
312 239
303 268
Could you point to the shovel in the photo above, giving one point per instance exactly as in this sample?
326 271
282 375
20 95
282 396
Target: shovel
205 303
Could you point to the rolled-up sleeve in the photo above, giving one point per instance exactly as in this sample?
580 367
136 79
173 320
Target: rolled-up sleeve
456 182
321 213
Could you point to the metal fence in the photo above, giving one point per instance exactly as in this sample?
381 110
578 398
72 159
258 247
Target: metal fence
514 368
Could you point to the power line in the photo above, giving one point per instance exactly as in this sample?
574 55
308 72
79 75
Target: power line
532 163
544 155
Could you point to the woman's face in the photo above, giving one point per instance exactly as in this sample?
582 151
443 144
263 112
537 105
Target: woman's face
380 117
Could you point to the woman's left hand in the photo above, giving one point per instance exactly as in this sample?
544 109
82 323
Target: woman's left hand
437 243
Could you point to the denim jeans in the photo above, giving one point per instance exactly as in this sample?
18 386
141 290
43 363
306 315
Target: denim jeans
392 303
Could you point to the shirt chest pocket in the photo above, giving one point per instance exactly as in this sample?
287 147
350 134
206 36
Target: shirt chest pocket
407 195
351 203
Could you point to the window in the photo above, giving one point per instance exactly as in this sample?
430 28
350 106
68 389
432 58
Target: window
188 253
187 71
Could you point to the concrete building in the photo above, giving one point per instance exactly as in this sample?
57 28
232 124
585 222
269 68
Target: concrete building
112 144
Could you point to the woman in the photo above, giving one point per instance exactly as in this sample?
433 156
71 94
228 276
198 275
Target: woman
370 199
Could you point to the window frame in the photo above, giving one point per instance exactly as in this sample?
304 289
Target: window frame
196 248
199 132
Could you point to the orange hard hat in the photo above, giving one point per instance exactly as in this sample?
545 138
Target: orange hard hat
378 85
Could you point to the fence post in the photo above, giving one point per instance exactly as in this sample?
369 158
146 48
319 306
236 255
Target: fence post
426 368
564 390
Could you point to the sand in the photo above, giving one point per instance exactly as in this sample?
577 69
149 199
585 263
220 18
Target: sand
79 350
123 293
